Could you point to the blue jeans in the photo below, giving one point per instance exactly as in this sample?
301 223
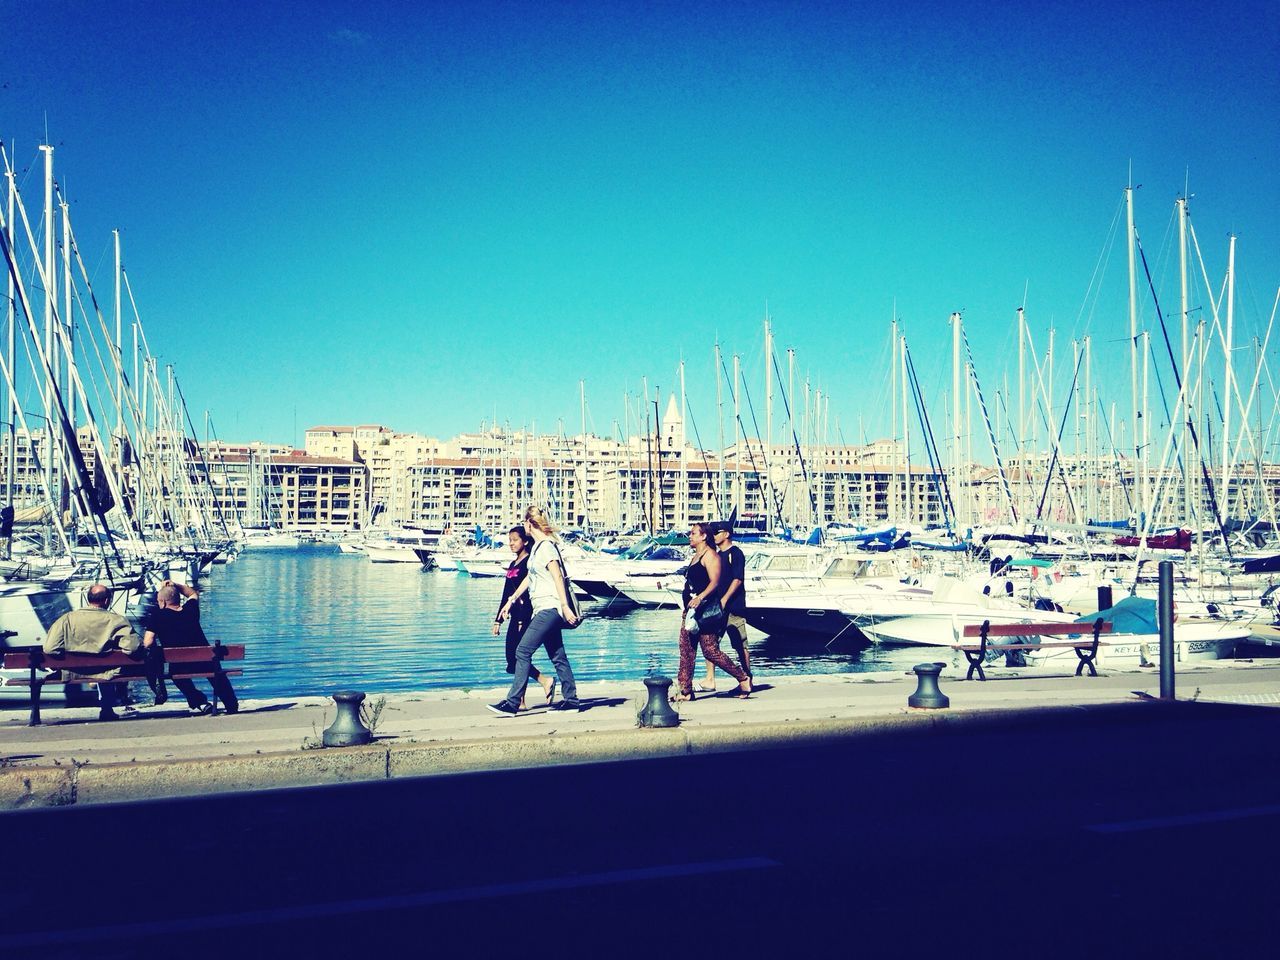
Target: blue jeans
543 629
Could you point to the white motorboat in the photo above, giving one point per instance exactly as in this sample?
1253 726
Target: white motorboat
485 562
778 603
936 618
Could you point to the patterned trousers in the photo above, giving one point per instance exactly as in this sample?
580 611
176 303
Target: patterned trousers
710 644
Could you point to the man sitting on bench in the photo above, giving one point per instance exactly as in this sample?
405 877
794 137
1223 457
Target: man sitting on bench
95 629
177 624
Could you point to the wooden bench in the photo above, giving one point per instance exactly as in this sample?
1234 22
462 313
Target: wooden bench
1086 646
184 663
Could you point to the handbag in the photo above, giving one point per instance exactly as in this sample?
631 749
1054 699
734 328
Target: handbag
574 607
711 618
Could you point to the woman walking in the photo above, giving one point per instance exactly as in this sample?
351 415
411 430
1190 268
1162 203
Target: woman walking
702 610
516 608
548 590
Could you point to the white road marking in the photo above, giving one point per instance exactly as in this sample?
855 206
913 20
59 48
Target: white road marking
426 898
1185 820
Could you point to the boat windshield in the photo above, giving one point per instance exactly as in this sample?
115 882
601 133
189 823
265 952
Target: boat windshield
847 568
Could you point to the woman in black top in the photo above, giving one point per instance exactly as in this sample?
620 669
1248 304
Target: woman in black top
521 610
701 602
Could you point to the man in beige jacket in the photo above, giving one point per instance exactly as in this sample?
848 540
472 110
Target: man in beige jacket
95 629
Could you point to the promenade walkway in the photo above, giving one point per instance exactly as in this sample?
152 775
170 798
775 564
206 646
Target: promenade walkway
161 751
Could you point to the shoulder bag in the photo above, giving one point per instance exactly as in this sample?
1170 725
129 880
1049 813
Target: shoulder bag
574 607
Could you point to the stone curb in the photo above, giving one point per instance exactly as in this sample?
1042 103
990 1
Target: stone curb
33 787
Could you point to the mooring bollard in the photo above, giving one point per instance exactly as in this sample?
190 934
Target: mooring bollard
927 695
657 712
347 729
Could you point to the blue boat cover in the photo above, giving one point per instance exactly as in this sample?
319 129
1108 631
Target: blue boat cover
1129 615
1262 564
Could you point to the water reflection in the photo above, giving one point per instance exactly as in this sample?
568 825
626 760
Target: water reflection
316 620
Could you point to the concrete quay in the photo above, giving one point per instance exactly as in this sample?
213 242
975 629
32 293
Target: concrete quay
162 752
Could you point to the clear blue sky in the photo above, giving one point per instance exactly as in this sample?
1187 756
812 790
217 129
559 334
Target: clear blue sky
420 214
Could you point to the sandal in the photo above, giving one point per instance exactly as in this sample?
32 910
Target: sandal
551 693
703 688
682 697
744 692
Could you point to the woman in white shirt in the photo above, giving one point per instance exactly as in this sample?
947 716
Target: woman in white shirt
548 589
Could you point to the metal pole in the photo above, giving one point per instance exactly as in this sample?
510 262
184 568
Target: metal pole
1165 612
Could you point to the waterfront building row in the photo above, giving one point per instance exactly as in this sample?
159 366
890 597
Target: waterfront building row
349 478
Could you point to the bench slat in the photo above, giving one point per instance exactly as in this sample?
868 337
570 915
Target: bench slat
24 682
1002 647
21 660
1034 629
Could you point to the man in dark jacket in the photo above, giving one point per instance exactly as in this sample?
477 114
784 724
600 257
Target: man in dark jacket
177 624
734 599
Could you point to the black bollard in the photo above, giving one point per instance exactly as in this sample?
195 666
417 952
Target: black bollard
1164 615
347 729
927 695
657 712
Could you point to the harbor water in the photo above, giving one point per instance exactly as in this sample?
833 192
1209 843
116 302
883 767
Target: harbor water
315 621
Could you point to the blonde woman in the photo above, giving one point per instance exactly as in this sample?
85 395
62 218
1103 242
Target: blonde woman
548 590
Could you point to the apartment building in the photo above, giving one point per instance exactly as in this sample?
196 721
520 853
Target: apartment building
296 492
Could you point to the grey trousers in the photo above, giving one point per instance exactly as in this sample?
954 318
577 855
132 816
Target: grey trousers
543 629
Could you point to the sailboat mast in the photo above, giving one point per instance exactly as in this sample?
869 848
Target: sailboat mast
791 428
12 449
737 434
68 326
767 445
115 236
682 499
1227 377
1146 435
1087 412
893 417
1188 474
906 429
50 305
1022 402
1133 340
955 415
720 415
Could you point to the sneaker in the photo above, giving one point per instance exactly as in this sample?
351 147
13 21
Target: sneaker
202 710
567 705
503 709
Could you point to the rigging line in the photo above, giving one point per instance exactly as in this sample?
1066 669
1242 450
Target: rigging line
1104 257
750 456
1164 330
804 472
765 479
991 433
71 454
1195 439
1057 445
126 506
706 464
941 488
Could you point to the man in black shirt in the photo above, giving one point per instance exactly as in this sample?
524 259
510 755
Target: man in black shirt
177 624
734 598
